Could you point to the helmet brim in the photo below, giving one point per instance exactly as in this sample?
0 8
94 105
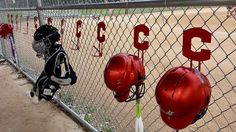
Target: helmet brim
178 122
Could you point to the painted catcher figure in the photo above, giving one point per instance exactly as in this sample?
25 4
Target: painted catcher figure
57 69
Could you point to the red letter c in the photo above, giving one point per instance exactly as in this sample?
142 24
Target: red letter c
187 37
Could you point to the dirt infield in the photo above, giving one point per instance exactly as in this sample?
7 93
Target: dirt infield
21 114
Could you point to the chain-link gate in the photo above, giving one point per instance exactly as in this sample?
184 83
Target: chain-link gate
166 21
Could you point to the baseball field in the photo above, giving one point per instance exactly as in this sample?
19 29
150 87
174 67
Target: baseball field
95 102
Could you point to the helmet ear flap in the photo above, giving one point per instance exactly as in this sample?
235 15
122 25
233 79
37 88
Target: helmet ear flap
207 93
199 115
139 77
138 69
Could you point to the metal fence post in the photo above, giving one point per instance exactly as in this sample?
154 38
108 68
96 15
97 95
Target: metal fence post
6 4
3 49
40 15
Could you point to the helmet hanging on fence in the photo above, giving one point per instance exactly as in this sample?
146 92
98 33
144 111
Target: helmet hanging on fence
183 95
45 37
5 29
121 73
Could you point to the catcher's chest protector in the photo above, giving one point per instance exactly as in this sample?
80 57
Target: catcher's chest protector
57 71
45 88
58 68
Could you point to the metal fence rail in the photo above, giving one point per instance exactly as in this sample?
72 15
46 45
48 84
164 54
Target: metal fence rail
166 20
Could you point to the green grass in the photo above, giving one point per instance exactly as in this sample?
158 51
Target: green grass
122 11
66 97
107 129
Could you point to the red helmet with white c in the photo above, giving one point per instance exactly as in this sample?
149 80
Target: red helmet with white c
121 72
183 95
5 29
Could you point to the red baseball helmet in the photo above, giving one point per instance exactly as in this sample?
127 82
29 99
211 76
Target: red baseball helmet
121 72
5 29
183 95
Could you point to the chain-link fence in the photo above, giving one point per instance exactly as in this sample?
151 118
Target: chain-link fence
33 3
166 21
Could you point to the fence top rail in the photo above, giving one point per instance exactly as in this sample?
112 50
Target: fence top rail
132 4
19 9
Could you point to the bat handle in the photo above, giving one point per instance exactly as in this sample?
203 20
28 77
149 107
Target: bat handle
139 125
138 122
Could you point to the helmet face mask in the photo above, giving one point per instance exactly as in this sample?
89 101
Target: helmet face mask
130 93
136 94
45 37
40 47
199 115
124 73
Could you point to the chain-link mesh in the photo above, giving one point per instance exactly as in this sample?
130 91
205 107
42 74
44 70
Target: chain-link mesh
90 97
18 3
33 3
